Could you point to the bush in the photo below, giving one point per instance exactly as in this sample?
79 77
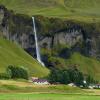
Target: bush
90 80
4 76
17 72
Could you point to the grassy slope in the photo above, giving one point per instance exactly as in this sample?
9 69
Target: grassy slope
87 65
85 10
12 54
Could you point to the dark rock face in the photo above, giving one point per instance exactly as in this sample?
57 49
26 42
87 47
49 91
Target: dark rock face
69 38
77 36
16 28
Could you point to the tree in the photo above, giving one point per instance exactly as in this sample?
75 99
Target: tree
71 75
65 77
76 76
17 72
54 76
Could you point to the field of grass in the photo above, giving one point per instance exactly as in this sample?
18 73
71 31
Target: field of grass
15 86
47 97
12 54
82 10
23 90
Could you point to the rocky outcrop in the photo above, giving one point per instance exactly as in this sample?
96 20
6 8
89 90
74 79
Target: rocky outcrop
69 38
80 37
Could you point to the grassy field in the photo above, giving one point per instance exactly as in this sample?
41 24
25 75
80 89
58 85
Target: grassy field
12 54
23 90
15 86
47 97
82 10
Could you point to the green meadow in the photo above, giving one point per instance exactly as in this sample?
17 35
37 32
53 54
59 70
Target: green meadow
23 90
82 10
47 97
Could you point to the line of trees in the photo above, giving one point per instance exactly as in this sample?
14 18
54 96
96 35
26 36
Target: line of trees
70 75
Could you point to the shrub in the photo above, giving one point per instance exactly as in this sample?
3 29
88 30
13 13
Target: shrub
4 76
17 72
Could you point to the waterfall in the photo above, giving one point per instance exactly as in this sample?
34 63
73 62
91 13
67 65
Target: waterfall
36 43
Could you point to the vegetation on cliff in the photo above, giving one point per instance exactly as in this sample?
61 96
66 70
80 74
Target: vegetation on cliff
87 10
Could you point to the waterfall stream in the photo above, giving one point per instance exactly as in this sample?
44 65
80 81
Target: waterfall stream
36 43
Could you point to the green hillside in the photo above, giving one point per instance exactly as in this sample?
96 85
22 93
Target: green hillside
88 65
84 10
12 54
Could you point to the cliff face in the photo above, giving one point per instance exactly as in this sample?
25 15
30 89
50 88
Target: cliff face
52 33
16 28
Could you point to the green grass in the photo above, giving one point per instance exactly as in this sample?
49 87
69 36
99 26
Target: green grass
29 91
40 89
12 54
47 97
14 86
87 65
82 10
